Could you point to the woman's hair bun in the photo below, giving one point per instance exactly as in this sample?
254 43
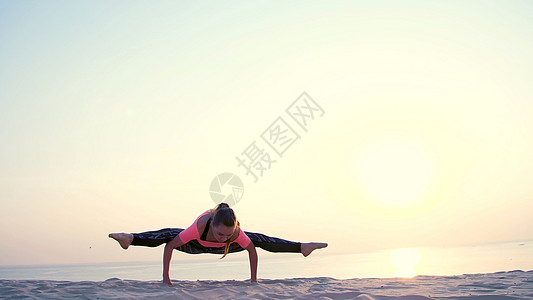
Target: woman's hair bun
221 205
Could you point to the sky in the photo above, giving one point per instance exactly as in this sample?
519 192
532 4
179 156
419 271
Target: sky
117 116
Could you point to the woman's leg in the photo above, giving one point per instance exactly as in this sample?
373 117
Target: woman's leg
148 238
155 238
274 244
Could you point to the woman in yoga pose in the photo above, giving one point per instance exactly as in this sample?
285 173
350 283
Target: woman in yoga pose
221 234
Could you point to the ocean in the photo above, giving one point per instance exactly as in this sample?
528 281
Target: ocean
409 262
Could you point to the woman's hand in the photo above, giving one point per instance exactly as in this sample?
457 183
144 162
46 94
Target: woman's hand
166 280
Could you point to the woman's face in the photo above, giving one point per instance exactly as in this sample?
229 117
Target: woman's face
222 232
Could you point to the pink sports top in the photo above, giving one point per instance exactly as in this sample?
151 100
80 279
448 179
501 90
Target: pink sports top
192 233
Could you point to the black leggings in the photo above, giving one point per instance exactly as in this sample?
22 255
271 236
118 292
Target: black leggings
165 235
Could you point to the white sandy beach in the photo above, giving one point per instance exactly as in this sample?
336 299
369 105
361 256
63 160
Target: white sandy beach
500 285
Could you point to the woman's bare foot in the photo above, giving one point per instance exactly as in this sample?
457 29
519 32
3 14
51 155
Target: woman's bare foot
307 248
124 239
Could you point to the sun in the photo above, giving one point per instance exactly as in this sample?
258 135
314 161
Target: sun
395 171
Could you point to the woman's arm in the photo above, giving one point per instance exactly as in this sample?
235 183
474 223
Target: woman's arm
252 255
182 238
167 256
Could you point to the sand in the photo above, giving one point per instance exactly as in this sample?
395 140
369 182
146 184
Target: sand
499 285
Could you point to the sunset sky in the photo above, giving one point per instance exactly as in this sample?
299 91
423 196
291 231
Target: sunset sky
116 116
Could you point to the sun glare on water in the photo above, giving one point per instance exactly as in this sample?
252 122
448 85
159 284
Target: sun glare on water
396 172
404 261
